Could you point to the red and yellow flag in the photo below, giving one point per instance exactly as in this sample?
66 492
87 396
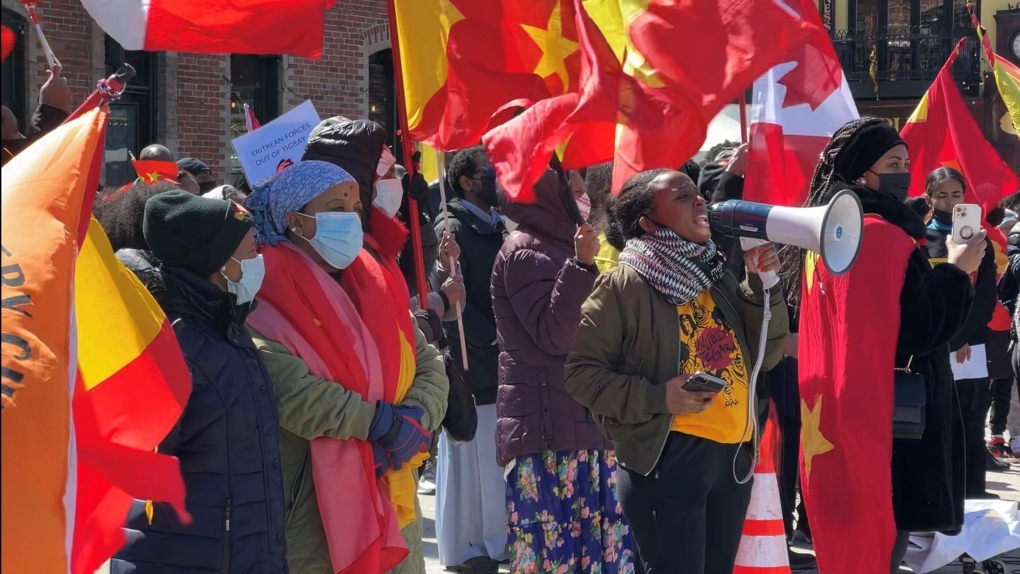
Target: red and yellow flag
1007 76
942 133
93 378
153 170
468 65
845 425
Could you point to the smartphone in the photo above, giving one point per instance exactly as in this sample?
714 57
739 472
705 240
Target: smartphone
966 222
704 383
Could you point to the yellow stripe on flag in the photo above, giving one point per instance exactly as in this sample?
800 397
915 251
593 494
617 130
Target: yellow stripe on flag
429 168
920 112
423 27
1007 78
116 322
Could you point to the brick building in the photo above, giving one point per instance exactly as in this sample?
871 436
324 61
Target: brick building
192 103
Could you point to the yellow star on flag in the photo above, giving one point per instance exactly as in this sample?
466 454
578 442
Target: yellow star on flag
152 177
555 48
812 441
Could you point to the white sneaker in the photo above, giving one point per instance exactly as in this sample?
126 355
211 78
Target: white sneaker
426 486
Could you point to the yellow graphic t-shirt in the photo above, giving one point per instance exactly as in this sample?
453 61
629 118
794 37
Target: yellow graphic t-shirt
707 344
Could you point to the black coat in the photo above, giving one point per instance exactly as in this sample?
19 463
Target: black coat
927 474
479 243
227 440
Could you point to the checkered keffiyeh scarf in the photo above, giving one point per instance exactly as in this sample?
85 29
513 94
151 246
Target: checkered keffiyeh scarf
676 268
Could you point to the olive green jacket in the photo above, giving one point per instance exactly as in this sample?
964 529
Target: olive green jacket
310 407
628 345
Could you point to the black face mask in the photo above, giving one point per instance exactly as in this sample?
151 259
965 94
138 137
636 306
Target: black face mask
488 191
207 186
895 185
945 218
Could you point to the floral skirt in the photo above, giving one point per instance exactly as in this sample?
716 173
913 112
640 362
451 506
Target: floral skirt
563 515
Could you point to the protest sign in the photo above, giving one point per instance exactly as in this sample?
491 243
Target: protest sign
263 150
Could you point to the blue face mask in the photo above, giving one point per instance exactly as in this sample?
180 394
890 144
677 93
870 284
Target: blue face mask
338 237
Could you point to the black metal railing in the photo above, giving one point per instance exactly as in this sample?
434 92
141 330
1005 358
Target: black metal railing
903 62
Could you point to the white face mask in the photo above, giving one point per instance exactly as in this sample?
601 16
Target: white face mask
338 237
388 195
584 206
253 271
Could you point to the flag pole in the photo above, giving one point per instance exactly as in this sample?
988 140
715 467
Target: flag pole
743 117
106 91
408 149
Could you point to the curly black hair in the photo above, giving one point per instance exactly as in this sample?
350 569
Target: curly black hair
120 211
633 203
465 163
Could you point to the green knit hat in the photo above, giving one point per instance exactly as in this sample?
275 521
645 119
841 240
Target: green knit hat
192 232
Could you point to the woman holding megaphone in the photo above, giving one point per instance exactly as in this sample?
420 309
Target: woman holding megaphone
663 360
893 298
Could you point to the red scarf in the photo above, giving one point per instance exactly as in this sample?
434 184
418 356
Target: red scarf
303 308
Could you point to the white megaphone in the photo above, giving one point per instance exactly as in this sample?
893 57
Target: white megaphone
833 230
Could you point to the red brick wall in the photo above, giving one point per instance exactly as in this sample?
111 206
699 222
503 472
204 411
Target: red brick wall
69 31
193 111
338 82
203 109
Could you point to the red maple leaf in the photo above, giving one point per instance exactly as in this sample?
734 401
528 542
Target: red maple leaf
815 77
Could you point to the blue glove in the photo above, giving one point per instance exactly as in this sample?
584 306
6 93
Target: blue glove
398 431
382 460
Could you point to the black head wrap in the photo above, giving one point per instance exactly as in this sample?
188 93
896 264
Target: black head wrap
866 146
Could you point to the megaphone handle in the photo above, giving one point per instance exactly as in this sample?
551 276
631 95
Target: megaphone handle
768 278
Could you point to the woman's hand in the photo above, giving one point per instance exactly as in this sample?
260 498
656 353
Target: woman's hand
586 244
791 344
963 354
681 402
767 259
449 252
967 256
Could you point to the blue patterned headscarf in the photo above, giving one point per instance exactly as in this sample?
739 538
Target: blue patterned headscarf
289 191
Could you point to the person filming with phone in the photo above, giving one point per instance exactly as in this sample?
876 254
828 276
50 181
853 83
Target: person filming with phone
663 360
952 222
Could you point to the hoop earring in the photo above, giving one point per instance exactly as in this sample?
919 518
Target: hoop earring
861 181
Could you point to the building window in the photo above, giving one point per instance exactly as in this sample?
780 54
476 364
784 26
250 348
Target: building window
900 46
254 80
132 124
382 100
13 81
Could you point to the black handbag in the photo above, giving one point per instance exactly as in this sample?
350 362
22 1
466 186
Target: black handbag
461 421
910 396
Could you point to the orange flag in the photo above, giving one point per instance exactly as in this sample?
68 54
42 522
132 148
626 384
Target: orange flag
43 191
92 376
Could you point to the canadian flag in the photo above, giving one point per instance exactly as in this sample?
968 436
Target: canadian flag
796 107
292 27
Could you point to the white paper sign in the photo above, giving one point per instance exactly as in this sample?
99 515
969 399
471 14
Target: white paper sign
262 151
976 367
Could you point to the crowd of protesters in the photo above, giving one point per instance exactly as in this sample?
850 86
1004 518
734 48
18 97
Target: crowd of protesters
328 393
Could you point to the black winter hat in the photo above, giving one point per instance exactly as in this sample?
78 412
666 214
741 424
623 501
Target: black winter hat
192 232
193 166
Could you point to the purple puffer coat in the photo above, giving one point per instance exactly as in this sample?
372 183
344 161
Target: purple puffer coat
537 291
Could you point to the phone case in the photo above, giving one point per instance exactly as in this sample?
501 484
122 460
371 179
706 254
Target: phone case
966 222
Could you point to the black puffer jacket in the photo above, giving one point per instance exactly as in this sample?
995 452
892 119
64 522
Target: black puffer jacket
479 242
227 440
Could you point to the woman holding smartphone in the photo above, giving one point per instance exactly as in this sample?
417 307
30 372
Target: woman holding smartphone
670 310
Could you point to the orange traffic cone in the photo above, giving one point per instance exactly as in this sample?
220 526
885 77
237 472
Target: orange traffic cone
763 545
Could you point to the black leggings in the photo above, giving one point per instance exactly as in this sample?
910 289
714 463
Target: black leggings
1002 391
688 514
975 396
